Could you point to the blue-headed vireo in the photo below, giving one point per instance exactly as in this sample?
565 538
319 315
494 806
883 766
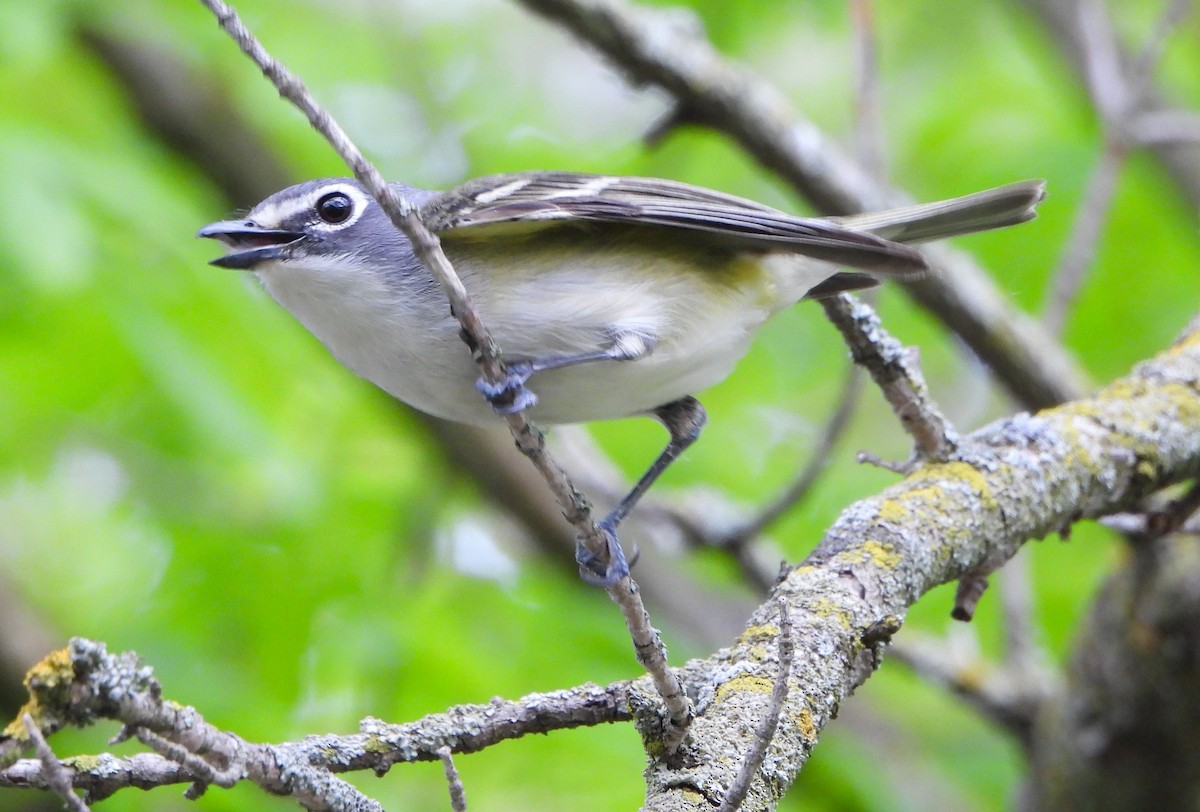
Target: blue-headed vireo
623 295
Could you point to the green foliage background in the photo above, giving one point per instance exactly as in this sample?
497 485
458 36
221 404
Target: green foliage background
184 471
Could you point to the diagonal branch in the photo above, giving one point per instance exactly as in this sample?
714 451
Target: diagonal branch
1020 478
657 48
1178 157
1017 479
648 646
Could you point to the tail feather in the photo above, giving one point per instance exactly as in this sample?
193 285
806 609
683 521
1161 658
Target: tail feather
994 208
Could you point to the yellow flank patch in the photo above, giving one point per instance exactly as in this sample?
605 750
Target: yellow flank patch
746 274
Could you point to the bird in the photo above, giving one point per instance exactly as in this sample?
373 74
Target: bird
610 296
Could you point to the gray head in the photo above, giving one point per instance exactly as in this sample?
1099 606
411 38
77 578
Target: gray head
330 220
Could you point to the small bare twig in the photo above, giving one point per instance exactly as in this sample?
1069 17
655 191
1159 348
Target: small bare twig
1147 60
770 720
1118 92
1178 161
893 369
648 646
868 118
966 597
57 779
1084 239
205 772
1160 517
458 794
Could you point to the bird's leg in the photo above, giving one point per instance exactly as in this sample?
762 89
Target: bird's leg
511 395
683 419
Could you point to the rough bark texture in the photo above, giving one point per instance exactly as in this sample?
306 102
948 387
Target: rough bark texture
1017 479
1121 735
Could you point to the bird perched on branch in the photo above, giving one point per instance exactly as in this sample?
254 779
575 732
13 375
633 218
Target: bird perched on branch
617 296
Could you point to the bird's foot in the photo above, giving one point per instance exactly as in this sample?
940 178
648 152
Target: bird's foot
608 567
510 395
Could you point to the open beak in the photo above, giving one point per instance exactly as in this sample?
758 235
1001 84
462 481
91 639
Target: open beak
248 243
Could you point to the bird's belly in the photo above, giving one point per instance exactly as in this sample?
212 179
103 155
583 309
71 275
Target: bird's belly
605 390
696 324
440 377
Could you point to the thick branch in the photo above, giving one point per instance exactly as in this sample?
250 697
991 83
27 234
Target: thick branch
1014 480
1017 479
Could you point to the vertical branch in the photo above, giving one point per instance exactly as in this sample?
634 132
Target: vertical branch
1084 239
1118 87
648 646
868 115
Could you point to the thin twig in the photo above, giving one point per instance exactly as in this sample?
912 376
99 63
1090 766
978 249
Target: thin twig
57 779
770 720
895 372
1150 102
648 646
1117 92
966 597
1146 62
868 116
1084 239
458 793
197 765
1174 515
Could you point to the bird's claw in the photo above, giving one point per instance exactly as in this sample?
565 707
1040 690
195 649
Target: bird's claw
510 395
604 570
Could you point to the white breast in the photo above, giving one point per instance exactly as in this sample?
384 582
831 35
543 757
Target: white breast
403 339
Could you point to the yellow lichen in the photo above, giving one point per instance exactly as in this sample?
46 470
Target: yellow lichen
893 510
763 631
823 607
808 727
880 554
966 473
744 684
44 678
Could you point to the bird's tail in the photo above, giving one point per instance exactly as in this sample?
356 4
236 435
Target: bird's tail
994 208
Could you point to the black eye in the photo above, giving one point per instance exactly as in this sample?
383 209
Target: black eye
335 207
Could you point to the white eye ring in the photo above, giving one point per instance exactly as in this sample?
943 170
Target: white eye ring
334 201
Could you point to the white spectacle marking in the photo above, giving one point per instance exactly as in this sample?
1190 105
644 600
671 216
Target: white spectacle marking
275 213
492 195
